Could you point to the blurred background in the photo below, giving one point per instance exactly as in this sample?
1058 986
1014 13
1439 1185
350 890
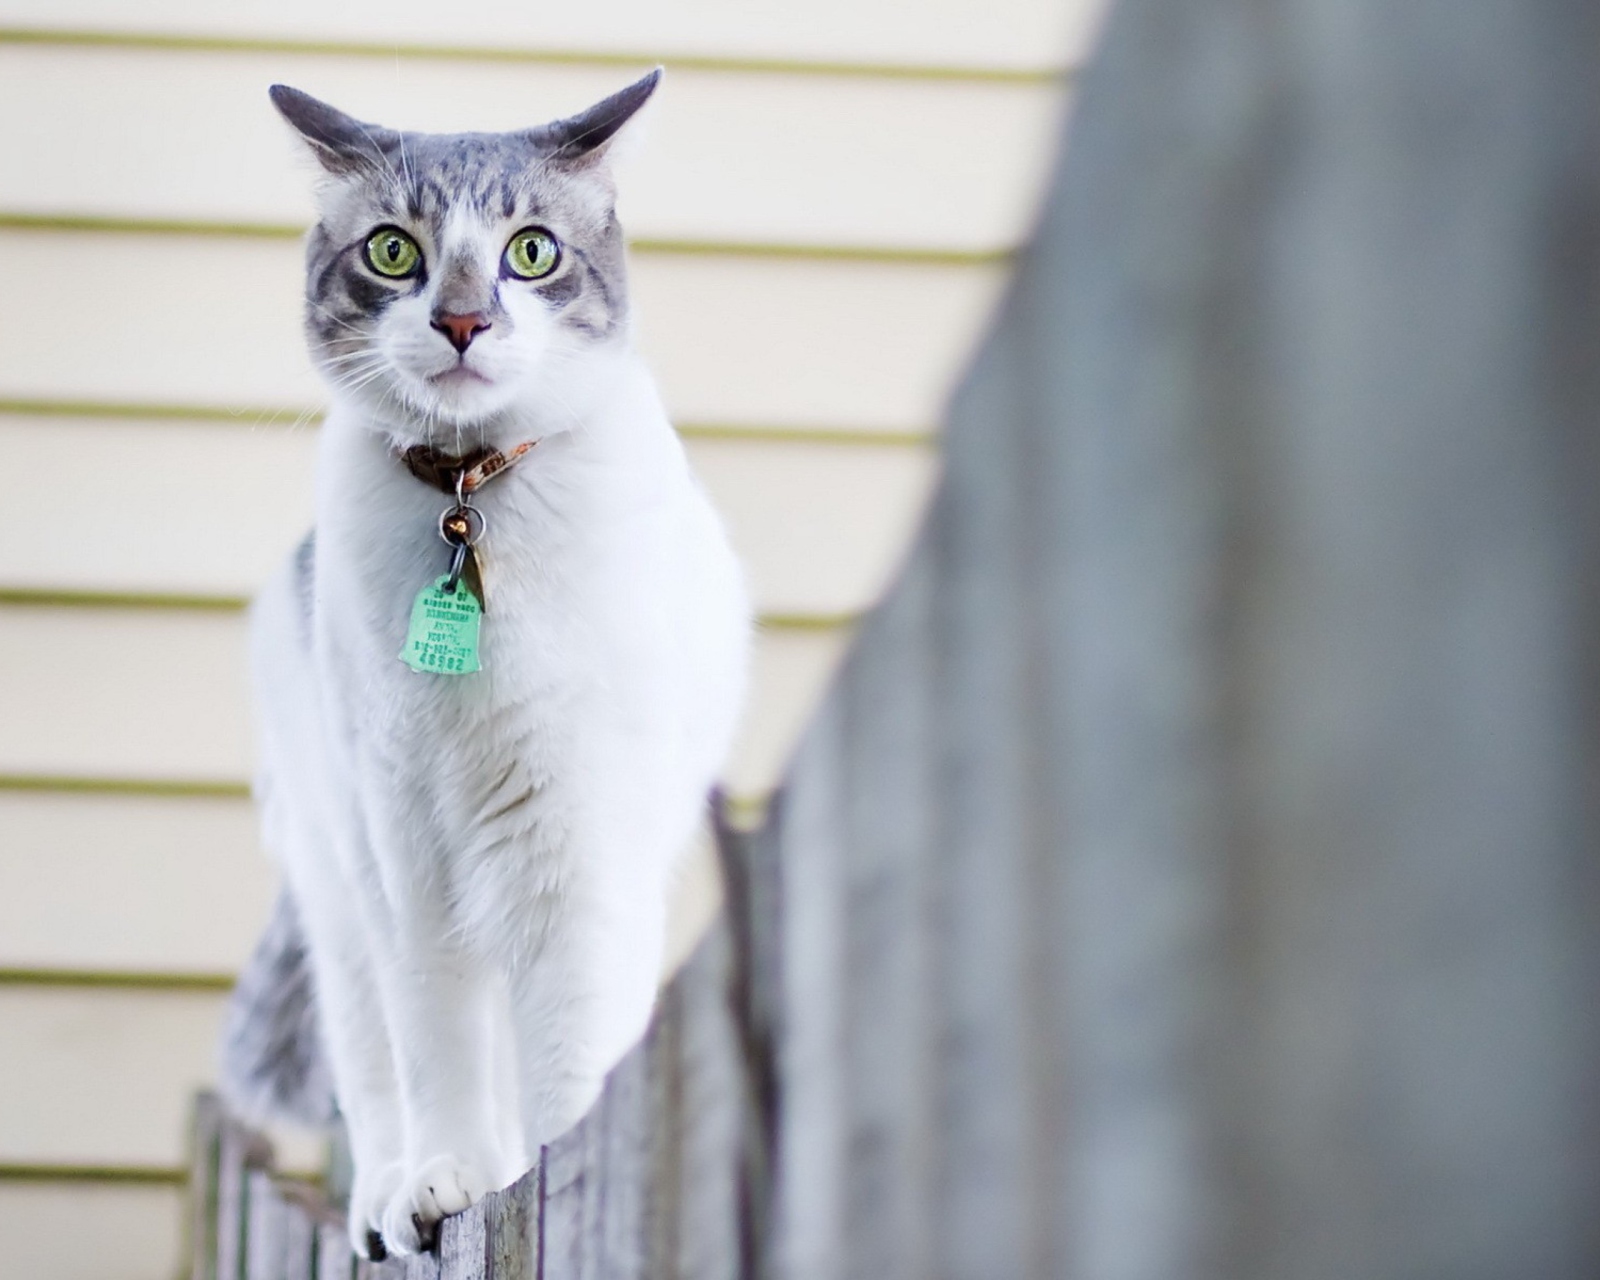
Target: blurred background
823 209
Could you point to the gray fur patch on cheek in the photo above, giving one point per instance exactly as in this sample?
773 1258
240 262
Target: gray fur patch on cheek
588 297
344 303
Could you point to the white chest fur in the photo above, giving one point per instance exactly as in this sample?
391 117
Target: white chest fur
487 858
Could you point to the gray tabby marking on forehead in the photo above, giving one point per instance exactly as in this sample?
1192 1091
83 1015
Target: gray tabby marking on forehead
344 144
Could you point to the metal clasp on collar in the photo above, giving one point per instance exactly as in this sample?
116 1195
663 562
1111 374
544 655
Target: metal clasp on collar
461 526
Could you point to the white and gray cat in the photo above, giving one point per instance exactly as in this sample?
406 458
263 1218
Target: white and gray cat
477 862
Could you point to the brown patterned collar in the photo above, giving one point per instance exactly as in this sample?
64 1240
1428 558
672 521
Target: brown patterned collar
475 469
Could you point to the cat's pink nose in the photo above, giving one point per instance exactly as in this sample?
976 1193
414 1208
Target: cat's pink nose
460 329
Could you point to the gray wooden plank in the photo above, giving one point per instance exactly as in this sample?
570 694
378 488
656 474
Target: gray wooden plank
752 918
230 1207
464 1242
887 791
983 542
265 1228
205 1153
646 1185
714 1108
808 1212
513 1246
422 1266
1418 475
335 1259
239 1151
661 1119
621 1237
299 1242
1318 609
572 1200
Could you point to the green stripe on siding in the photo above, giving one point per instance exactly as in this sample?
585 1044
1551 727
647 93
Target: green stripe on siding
266 415
60 598
746 813
250 415
116 979
745 807
647 246
807 621
806 435
548 57
64 598
147 226
73 784
125 1175
893 255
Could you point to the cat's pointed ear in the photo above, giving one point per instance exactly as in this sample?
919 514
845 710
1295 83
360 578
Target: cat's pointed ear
341 143
586 136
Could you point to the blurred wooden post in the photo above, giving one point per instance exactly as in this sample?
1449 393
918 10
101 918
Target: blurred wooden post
266 1228
335 1261
204 1158
1193 872
299 1242
238 1149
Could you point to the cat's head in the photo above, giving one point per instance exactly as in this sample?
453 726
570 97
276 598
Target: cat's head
454 280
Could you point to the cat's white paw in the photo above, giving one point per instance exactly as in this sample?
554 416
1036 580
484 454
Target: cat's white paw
432 1190
369 1197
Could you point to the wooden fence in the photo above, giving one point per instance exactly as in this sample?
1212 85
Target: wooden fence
666 1178
1192 874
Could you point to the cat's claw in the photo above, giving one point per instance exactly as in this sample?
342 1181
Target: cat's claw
433 1190
368 1198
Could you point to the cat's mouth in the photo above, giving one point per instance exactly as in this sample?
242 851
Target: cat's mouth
459 376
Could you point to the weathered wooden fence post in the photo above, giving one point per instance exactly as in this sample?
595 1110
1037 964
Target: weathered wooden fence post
1194 872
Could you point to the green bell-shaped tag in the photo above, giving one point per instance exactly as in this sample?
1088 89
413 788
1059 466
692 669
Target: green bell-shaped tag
443 637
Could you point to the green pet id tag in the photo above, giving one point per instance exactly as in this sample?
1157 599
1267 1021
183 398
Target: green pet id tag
443 637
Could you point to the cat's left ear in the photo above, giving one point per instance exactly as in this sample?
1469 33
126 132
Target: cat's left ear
341 143
586 137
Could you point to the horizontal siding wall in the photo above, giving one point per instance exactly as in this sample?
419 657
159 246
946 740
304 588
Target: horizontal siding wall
740 157
819 526
70 1230
108 1071
743 340
822 207
1029 37
162 694
90 880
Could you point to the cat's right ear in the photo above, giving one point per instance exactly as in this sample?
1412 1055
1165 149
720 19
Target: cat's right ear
341 143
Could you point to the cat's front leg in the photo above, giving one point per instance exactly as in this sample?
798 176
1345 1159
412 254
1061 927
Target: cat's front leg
581 1005
352 1024
441 1006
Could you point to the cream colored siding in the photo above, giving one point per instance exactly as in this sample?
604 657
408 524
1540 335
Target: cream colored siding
217 524
89 1231
107 1072
820 524
903 164
1026 35
215 321
90 882
822 208
161 694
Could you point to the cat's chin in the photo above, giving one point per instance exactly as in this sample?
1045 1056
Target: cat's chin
460 397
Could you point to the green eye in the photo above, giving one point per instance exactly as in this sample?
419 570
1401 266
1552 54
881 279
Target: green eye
391 252
532 253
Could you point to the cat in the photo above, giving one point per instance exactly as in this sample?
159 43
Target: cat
477 862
